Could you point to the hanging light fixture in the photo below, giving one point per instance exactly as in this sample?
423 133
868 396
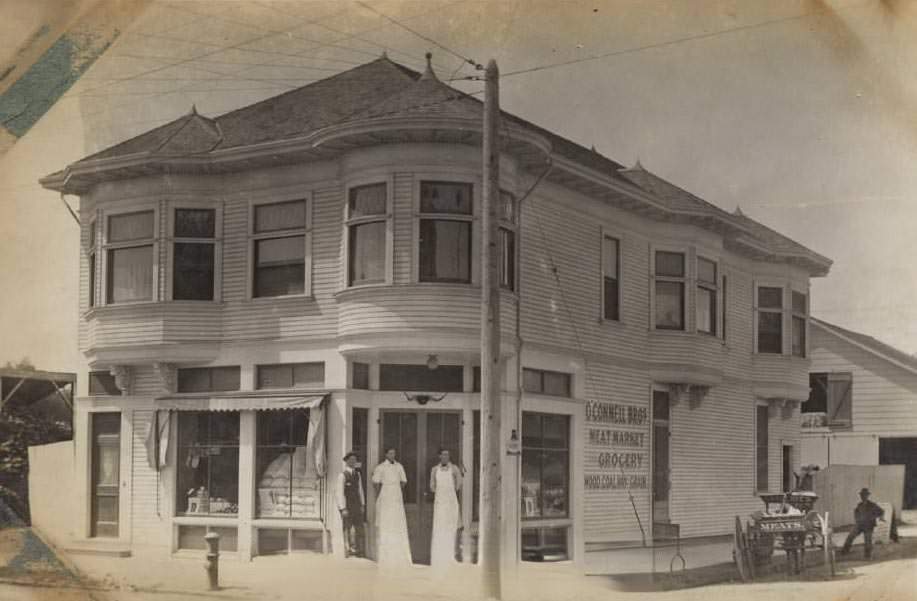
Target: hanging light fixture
432 362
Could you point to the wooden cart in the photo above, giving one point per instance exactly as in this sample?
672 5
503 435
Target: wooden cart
787 523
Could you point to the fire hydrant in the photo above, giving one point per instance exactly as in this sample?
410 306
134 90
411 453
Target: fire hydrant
213 559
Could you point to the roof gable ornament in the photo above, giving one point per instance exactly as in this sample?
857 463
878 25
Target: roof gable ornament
428 72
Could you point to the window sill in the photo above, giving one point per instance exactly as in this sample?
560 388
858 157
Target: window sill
614 323
115 308
525 523
264 300
291 523
205 520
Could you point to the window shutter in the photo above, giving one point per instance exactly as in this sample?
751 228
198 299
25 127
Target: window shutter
840 398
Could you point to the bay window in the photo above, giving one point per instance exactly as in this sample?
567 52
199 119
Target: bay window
130 243
208 463
193 253
770 319
611 266
279 244
670 290
446 210
705 302
367 216
507 241
800 310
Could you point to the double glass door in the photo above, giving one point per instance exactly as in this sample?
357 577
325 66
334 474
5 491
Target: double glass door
418 436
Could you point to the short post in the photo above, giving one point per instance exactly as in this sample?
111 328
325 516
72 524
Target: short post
213 559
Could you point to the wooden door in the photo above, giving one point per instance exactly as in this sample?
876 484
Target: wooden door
417 437
106 474
661 466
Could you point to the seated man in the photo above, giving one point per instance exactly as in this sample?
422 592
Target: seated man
864 516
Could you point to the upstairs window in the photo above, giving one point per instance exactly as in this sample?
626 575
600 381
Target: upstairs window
279 249
208 379
705 304
367 215
130 242
292 375
831 394
670 290
193 254
611 267
446 210
800 310
507 240
770 320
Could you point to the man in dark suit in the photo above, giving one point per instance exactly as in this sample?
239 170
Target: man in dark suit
351 502
864 516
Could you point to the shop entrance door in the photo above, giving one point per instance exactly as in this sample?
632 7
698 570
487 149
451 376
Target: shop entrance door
106 466
417 436
661 469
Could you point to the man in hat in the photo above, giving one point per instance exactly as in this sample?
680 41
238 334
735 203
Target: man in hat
864 516
351 502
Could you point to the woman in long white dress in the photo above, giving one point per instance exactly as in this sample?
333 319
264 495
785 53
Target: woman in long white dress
393 549
445 482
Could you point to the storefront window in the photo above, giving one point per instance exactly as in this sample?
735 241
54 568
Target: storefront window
287 485
208 463
545 466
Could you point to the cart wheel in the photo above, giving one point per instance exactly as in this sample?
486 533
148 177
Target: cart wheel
738 551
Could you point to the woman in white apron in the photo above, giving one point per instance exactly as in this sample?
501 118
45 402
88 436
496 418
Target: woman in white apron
445 482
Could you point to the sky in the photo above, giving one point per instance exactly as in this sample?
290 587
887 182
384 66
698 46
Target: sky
801 112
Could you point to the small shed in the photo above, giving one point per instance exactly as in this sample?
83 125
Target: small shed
45 393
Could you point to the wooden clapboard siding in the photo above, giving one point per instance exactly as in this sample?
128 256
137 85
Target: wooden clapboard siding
403 212
146 382
884 394
608 513
150 521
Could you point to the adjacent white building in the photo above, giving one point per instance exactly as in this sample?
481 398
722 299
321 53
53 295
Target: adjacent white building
862 409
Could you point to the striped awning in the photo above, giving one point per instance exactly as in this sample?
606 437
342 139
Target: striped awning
241 403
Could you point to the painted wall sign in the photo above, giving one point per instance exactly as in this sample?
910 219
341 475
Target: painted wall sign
620 460
615 413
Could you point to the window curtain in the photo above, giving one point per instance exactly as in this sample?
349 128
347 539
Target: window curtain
315 439
157 440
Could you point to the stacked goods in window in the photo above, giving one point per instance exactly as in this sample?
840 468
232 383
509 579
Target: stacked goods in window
288 487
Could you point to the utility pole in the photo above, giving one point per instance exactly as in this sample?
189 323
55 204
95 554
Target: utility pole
490 525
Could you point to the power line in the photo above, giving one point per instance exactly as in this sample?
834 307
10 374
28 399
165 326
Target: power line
237 45
262 28
409 55
682 40
470 61
296 55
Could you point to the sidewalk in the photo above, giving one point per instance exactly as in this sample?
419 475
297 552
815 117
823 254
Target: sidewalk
307 576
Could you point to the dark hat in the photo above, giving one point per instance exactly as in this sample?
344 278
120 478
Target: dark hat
864 491
349 455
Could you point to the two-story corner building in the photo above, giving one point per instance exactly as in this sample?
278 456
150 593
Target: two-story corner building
265 290
862 409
